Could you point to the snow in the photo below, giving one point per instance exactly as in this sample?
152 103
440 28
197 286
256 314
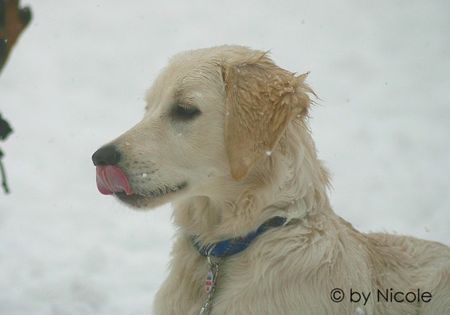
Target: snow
77 79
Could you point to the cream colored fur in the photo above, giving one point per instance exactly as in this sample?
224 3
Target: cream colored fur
247 157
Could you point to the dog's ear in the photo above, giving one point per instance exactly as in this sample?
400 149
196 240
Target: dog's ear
261 100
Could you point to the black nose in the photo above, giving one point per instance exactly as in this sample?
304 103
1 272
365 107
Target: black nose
107 155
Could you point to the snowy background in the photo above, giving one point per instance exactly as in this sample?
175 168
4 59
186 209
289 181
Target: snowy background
77 79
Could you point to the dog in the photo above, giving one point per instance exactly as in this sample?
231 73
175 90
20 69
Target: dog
225 139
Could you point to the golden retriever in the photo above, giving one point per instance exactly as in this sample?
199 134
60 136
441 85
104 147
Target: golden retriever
225 138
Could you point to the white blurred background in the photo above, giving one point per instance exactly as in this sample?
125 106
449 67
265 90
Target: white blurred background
77 79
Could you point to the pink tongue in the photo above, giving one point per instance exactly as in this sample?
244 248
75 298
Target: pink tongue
111 179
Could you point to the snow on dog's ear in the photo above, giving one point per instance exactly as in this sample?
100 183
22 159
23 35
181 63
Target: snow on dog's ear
261 100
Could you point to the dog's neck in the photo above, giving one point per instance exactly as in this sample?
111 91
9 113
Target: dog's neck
290 183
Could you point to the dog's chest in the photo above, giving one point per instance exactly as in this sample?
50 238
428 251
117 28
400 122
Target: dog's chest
241 285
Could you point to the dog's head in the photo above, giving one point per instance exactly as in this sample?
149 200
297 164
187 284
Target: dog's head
212 116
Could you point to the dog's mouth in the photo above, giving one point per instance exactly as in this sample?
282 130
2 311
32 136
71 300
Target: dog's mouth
113 180
162 191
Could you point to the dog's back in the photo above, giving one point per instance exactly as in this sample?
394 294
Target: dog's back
414 269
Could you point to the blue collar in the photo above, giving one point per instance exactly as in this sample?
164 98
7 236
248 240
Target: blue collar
236 245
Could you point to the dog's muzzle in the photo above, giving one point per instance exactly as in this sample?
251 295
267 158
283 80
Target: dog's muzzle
110 178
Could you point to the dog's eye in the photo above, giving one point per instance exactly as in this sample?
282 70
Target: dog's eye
185 112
